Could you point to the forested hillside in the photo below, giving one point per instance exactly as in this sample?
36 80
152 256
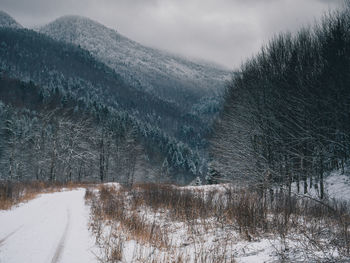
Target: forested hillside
287 111
171 137
51 136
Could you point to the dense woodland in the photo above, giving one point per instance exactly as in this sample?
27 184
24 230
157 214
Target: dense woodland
287 111
50 136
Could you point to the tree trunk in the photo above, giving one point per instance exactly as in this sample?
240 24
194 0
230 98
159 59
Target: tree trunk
321 178
102 160
305 184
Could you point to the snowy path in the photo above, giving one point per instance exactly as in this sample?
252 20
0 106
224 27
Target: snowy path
51 228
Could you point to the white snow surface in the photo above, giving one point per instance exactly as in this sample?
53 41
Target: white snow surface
338 186
51 228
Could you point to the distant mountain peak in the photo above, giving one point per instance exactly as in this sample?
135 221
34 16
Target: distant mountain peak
74 20
77 29
7 21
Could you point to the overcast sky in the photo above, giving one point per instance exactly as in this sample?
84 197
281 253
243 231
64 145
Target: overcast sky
222 31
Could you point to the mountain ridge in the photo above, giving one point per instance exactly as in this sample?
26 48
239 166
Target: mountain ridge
8 21
166 75
174 129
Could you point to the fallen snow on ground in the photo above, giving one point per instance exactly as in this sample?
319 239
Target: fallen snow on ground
338 186
160 236
116 186
201 240
51 228
253 252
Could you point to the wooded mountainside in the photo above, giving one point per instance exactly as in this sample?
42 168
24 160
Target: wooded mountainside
170 77
51 136
172 139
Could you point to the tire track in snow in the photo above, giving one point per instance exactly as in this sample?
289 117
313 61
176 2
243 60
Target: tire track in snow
2 241
60 246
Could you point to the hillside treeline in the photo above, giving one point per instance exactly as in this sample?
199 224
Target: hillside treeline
287 112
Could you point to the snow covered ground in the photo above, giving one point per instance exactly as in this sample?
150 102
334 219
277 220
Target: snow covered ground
145 232
51 228
201 240
54 228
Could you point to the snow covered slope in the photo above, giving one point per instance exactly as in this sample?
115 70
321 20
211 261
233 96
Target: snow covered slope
52 228
8 21
338 185
164 74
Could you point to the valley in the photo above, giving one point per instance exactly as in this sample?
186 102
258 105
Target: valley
113 151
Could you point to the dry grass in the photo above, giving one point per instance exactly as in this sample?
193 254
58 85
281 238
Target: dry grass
153 214
13 193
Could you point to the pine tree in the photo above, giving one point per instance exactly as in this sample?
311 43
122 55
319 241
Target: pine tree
213 176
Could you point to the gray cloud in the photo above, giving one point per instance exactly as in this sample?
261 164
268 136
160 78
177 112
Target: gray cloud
223 31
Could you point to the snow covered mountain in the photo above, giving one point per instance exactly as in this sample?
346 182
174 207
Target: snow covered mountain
8 21
163 74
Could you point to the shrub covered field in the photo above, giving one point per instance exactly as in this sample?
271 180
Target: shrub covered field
221 223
